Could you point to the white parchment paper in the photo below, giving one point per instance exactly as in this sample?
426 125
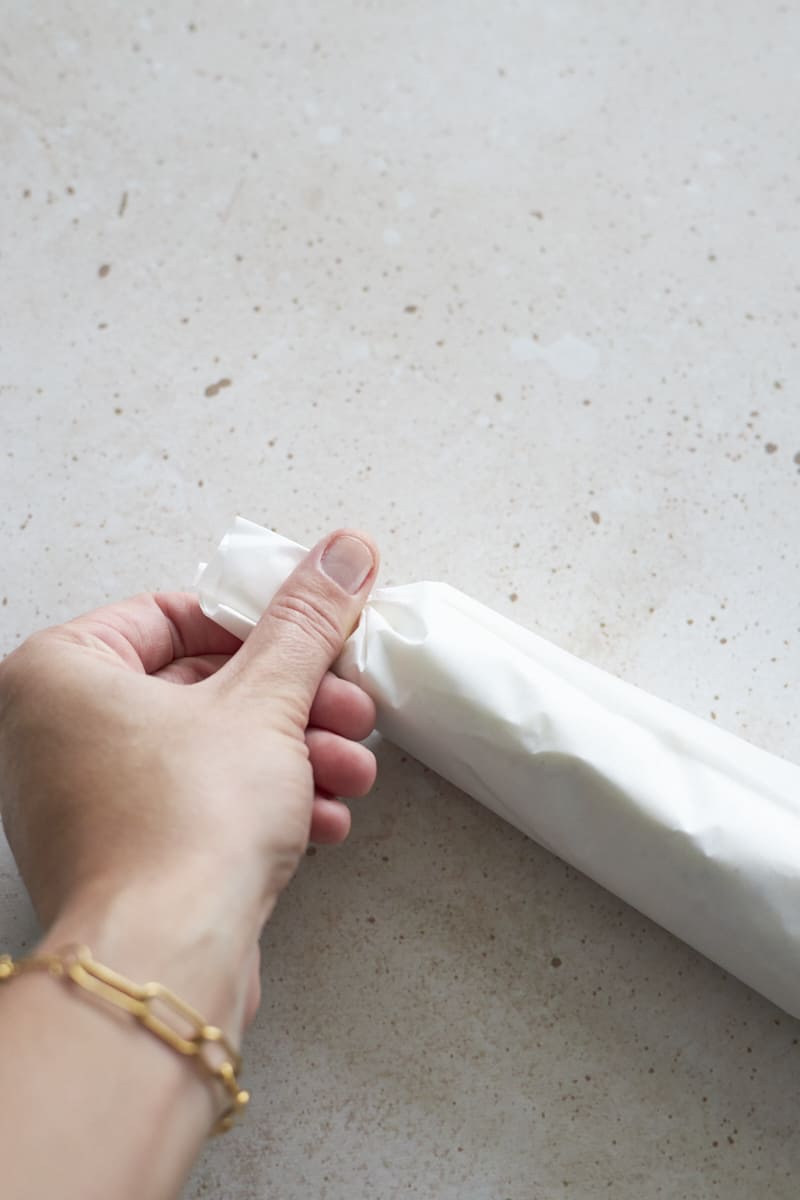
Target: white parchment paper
696 828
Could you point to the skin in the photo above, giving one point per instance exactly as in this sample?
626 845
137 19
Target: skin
160 784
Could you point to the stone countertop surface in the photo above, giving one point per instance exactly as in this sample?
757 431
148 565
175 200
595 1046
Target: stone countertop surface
515 287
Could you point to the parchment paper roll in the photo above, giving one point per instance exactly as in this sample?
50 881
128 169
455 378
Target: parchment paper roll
694 827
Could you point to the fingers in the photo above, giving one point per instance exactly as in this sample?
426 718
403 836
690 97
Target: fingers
149 631
330 821
306 625
343 708
341 767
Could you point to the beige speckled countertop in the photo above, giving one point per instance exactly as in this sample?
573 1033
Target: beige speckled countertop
514 286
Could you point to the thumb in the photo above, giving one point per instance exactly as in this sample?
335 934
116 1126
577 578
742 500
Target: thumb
309 619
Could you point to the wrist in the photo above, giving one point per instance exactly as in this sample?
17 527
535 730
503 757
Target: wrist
179 930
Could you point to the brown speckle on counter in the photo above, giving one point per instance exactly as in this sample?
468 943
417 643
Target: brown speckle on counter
770 447
104 270
214 388
595 517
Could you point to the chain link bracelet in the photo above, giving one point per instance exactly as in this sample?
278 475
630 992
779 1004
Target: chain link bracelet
206 1044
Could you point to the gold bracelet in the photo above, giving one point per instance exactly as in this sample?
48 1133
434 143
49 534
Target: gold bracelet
75 964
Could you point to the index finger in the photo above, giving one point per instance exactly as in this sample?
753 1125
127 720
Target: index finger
151 630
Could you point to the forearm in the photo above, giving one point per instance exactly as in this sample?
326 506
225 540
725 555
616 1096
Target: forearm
92 1104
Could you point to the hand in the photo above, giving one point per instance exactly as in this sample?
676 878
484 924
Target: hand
159 823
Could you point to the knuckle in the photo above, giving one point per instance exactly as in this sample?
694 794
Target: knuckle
310 616
16 670
21 685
